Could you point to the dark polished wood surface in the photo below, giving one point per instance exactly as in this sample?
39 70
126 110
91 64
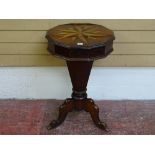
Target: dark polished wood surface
85 35
79 44
84 42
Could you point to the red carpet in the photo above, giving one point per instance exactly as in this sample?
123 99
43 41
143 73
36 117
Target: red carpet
32 116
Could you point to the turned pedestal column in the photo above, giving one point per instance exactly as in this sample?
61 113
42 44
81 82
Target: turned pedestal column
79 44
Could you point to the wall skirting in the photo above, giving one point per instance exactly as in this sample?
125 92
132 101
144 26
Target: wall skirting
54 83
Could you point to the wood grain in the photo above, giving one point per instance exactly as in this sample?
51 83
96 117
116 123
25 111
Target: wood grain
41 49
39 36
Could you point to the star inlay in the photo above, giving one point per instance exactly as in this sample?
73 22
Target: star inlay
80 34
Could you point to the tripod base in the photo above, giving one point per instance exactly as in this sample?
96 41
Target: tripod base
71 104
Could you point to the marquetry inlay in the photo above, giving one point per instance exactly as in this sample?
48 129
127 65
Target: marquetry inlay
80 34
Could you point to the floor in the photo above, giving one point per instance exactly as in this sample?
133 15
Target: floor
30 117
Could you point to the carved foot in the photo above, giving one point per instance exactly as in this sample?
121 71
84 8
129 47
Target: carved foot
72 104
63 111
93 109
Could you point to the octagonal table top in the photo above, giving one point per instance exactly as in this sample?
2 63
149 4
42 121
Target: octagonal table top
80 41
80 35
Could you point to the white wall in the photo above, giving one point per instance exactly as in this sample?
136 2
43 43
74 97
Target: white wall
54 83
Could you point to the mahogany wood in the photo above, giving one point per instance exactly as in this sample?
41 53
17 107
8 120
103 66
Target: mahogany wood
71 104
79 44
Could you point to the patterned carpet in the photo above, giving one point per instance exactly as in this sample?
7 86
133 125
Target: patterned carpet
30 117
